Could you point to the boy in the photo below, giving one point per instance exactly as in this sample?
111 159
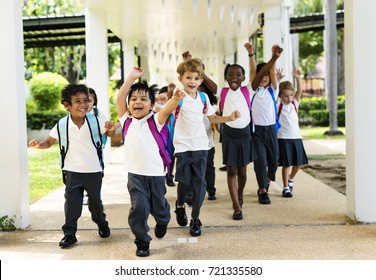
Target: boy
191 142
264 93
82 169
145 166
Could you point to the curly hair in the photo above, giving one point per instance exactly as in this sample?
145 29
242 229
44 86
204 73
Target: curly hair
72 89
193 65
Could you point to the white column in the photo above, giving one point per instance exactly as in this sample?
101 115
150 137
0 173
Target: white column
276 30
14 198
360 110
97 74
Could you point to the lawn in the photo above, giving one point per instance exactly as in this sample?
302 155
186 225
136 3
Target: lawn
44 172
309 132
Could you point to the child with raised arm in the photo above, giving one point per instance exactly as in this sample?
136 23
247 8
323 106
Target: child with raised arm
237 151
264 93
291 150
81 162
144 163
191 142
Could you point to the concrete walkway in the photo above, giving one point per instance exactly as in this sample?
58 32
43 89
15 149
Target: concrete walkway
310 226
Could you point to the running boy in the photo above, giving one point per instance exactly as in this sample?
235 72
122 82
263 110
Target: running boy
81 166
191 142
145 167
291 150
264 93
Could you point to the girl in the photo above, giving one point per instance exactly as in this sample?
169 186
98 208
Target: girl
291 149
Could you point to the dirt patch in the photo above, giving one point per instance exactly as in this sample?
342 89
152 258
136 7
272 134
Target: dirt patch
329 169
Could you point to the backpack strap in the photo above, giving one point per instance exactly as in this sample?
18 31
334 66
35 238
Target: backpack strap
280 108
203 100
277 124
96 136
223 95
161 142
62 130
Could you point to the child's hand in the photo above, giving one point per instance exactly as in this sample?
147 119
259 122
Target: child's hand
178 93
249 48
186 56
277 50
136 72
279 72
161 98
235 115
110 126
296 73
34 143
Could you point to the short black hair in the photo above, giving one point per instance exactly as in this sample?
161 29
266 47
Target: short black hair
72 89
228 66
143 86
163 89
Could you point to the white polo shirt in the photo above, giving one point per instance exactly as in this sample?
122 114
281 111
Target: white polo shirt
82 156
263 107
289 121
190 132
141 151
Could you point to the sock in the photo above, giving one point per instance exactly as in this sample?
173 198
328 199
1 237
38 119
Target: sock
290 183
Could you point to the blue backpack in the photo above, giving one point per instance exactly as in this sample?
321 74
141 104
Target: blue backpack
96 137
160 137
277 124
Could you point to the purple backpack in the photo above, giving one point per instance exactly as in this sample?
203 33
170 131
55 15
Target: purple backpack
160 137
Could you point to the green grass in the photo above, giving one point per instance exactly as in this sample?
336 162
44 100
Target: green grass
319 133
44 172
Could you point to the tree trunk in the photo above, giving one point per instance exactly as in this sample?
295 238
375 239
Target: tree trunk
331 53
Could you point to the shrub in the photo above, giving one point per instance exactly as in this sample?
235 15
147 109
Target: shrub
39 120
45 88
321 117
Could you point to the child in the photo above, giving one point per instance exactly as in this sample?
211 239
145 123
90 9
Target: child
81 166
191 142
93 102
291 149
146 174
264 93
237 151
168 90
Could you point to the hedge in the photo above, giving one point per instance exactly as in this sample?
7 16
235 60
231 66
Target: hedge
44 120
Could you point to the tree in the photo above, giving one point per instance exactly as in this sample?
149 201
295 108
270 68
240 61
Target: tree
331 51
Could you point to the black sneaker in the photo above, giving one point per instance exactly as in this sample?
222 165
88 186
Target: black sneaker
238 215
287 192
263 198
195 227
104 231
181 216
223 168
212 196
143 251
67 241
160 230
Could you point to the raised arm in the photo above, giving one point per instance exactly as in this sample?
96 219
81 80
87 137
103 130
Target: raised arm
273 71
297 74
252 61
277 51
122 107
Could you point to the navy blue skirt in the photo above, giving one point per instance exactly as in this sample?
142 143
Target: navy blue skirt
237 148
291 152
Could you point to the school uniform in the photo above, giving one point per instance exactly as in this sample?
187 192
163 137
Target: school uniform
210 169
237 148
265 136
82 171
146 177
291 148
191 150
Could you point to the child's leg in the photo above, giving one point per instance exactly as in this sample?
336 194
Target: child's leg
294 170
232 183
285 175
93 186
160 207
140 208
74 183
210 173
242 180
183 176
198 168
